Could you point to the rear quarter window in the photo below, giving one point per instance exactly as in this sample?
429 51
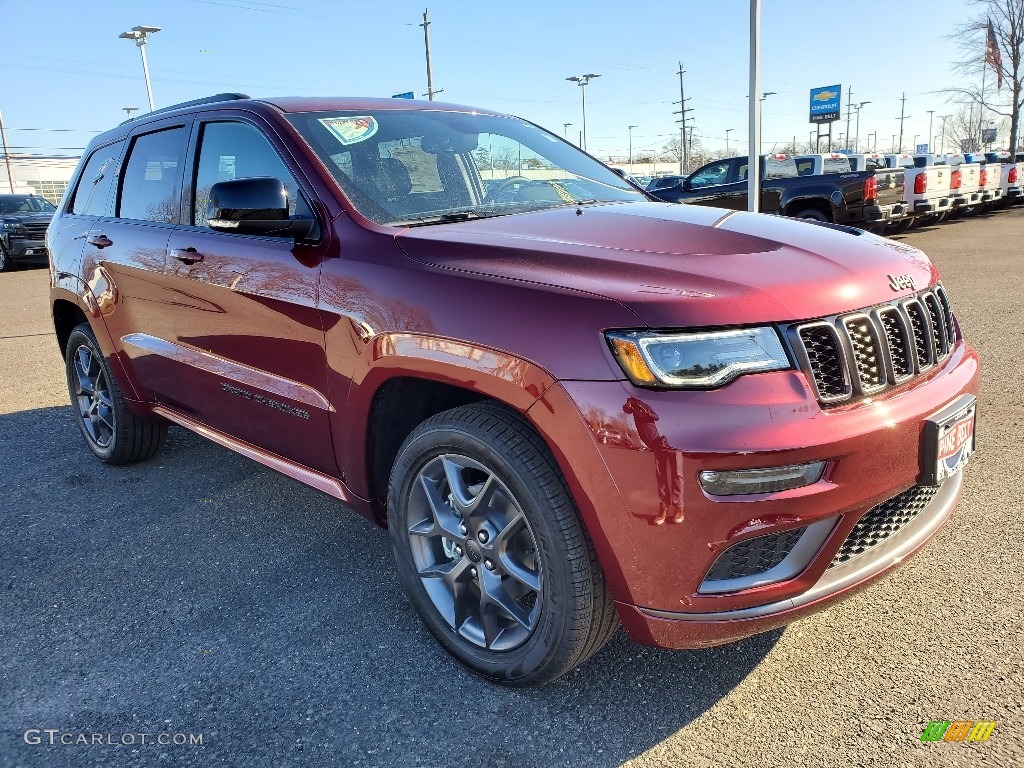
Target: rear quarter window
92 195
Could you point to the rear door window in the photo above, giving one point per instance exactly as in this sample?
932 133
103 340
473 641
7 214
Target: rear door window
92 197
152 177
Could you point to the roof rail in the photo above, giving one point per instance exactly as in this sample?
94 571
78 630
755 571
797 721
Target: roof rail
194 103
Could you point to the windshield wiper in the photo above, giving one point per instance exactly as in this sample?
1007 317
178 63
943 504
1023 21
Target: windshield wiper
444 218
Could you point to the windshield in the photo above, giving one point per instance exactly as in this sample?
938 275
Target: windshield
13 204
410 167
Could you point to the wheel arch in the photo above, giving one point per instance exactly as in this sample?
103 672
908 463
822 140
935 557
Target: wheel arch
411 378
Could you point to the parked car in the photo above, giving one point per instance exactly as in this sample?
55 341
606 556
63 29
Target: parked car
643 181
570 409
665 183
23 223
845 198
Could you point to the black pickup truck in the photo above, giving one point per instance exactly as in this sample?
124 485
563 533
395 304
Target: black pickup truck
23 223
854 198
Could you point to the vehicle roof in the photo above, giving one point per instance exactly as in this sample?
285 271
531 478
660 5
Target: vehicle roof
287 104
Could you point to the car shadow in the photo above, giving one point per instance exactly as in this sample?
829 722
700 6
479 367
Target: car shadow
198 592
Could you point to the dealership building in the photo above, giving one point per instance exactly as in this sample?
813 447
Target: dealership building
44 175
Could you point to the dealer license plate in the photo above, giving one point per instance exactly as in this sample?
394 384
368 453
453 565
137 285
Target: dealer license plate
949 440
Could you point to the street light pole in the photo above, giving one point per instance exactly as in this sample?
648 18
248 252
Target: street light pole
630 129
754 114
565 130
140 35
582 81
727 132
931 116
128 111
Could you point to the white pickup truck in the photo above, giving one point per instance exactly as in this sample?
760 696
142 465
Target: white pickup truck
965 183
1011 177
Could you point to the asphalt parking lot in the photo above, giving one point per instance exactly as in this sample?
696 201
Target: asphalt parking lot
199 593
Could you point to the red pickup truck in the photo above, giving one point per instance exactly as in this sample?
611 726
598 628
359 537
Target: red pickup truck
572 406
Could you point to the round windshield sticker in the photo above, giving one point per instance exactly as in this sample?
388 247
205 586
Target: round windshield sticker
350 130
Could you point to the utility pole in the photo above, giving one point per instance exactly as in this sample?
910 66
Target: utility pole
903 116
683 154
690 140
426 42
931 116
849 113
856 146
7 155
630 129
727 132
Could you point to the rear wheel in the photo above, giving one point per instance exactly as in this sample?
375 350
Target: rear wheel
113 432
813 214
491 550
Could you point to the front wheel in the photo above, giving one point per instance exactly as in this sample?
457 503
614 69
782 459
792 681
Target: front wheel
491 550
112 431
6 265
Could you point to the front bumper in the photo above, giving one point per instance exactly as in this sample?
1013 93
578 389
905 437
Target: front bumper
658 533
19 248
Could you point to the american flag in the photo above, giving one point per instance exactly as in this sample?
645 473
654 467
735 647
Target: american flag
992 55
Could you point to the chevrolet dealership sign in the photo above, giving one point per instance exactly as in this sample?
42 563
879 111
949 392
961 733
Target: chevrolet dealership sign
825 103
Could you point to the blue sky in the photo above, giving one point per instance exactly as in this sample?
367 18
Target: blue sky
511 56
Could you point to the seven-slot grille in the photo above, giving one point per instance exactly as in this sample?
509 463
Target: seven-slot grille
864 352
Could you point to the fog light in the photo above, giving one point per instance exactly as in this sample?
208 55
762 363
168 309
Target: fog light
768 480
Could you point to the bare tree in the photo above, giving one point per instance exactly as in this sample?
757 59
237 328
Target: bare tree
993 49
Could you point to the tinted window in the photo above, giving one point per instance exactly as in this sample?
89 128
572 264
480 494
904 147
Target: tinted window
710 175
835 165
92 198
150 188
238 151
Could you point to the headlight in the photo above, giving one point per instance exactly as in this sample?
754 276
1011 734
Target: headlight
701 360
9 225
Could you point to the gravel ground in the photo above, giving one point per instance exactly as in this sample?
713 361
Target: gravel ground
199 593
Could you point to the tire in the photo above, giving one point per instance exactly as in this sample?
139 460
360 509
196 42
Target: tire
813 214
112 431
899 227
500 569
6 264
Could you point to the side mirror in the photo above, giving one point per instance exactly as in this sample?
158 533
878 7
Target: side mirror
686 185
257 206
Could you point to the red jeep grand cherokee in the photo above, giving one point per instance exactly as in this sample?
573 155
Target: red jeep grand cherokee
572 406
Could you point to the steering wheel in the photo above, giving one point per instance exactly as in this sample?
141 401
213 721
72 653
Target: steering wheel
504 184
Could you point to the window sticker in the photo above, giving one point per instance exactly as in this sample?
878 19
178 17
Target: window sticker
350 130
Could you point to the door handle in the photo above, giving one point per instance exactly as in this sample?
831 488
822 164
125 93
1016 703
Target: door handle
100 241
187 255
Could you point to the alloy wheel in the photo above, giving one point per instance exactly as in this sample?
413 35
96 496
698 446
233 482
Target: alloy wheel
475 552
92 396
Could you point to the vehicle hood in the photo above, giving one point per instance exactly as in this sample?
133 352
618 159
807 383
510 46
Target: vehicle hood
679 265
22 218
